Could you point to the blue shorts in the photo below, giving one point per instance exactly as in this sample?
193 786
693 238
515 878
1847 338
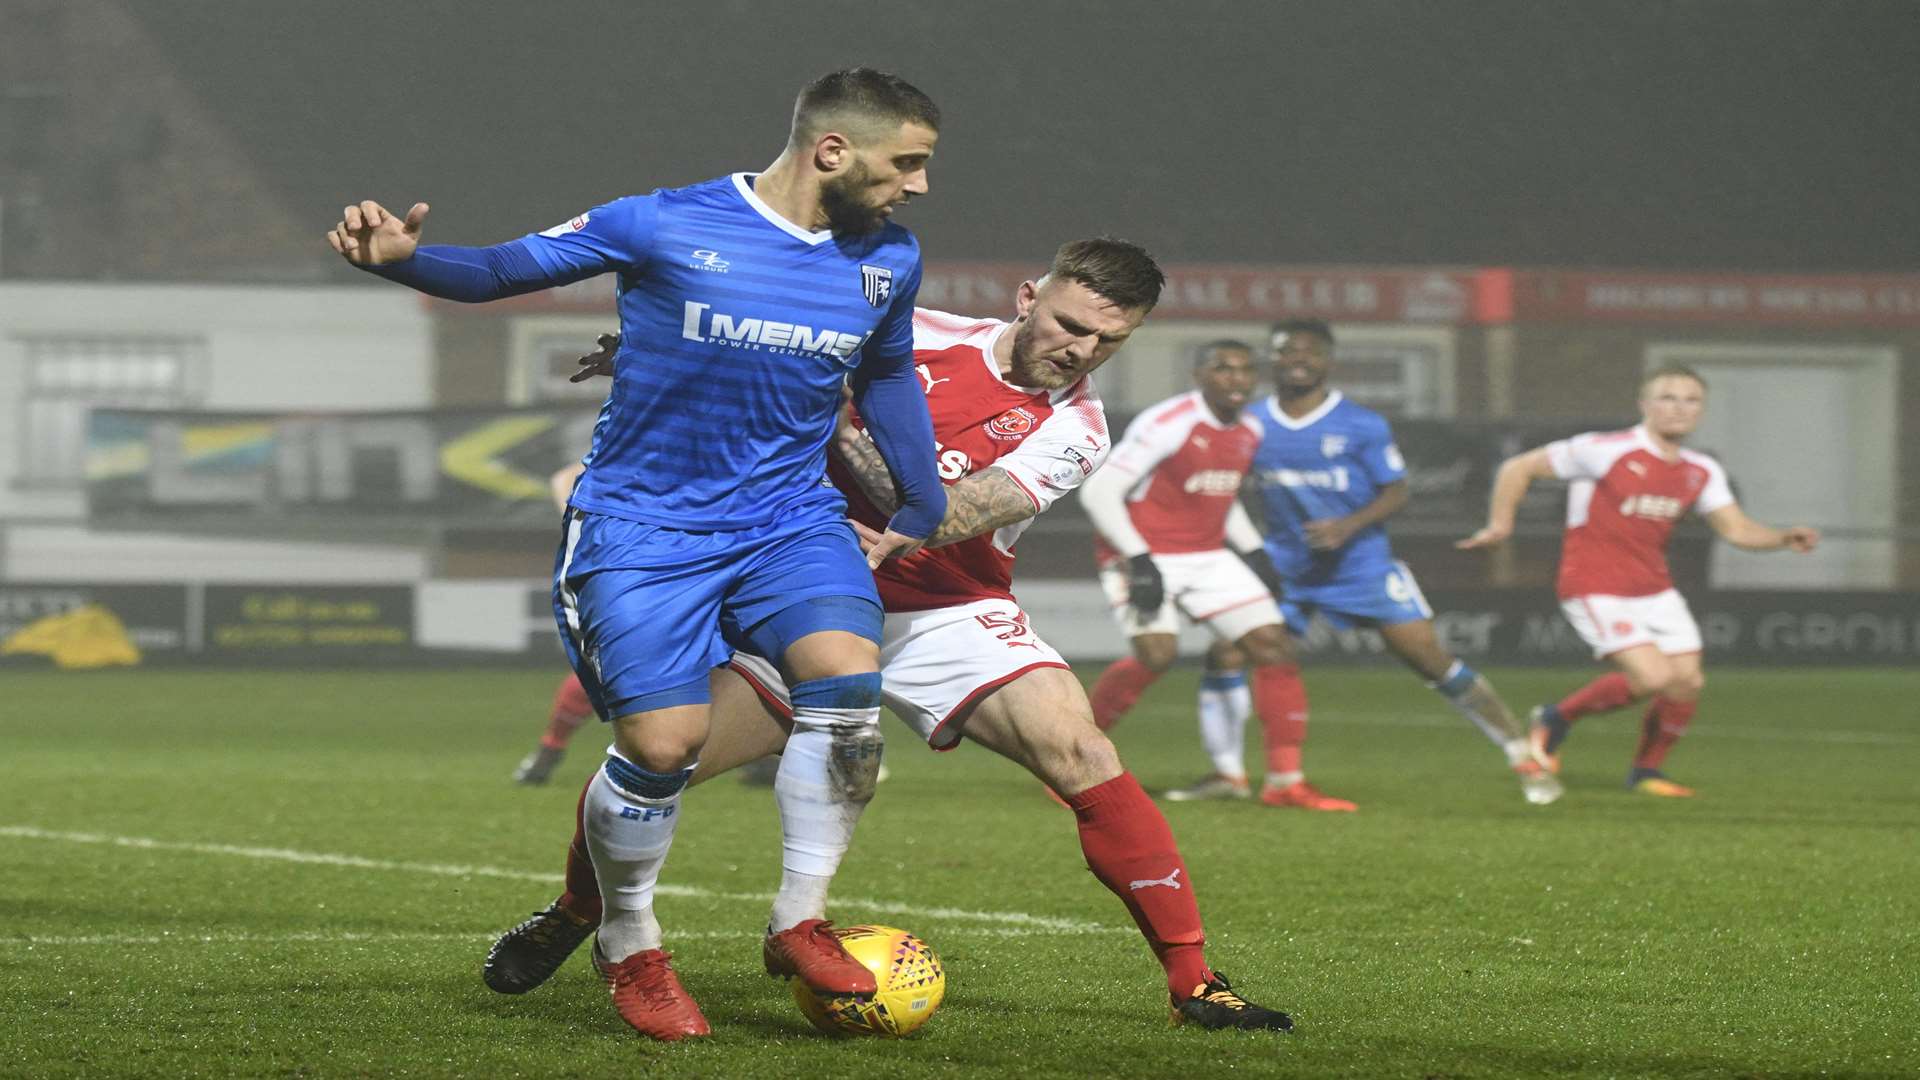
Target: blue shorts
1378 594
641 607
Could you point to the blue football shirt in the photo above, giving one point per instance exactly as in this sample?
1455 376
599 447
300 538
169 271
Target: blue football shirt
1326 464
737 328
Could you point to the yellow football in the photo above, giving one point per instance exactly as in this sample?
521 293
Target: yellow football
908 975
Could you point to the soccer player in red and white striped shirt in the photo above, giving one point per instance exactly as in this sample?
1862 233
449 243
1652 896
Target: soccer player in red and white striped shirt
1017 424
1166 506
1627 490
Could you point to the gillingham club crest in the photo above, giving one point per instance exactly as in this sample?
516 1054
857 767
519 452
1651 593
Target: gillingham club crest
876 282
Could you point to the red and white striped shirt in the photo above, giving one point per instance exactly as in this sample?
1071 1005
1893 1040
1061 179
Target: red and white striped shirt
1622 503
1187 466
1047 441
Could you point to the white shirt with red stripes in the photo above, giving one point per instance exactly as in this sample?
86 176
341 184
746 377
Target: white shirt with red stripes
1046 441
1622 503
1186 466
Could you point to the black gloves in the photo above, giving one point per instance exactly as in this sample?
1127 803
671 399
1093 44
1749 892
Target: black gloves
1145 591
1261 564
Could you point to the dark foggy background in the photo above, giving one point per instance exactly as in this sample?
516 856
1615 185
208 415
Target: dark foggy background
1752 135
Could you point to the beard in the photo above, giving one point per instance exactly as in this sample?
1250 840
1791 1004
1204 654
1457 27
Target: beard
1029 369
847 212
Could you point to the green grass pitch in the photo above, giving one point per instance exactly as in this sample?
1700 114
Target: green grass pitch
258 874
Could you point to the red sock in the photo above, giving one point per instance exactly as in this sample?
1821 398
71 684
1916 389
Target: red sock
1118 688
570 709
582 894
1604 694
1665 722
1281 700
1131 850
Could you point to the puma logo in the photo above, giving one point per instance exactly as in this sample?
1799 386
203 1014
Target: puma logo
1151 882
926 376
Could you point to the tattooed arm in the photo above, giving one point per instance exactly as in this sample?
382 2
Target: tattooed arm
977 504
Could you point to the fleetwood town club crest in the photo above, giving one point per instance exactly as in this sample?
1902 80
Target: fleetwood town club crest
1012 424
876 282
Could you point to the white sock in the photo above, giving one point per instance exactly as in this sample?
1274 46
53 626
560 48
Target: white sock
1517 751
1472 696
826 779
1223 723
628 835
1284 779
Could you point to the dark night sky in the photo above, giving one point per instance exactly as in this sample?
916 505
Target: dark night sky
1750 135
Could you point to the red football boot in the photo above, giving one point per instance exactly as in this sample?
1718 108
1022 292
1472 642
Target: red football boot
1303 796
810 950
649 997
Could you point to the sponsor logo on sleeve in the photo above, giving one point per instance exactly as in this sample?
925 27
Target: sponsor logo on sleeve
572 226
1080 459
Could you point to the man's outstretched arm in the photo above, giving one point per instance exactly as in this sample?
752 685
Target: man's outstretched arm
373 239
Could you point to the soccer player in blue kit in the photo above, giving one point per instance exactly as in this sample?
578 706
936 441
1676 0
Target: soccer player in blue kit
746 303
1329 475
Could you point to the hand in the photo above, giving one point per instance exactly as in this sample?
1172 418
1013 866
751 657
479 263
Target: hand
1326 534
1800 539
886 545
843 428
1145 589
1262 566
599 362
367 235
1490 536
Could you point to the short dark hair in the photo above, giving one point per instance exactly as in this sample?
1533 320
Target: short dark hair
1290 327
1203 353
1671 371
1118 271
858 102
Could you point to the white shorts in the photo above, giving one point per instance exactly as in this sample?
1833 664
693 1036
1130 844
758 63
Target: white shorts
934 665
1212 588
1612 624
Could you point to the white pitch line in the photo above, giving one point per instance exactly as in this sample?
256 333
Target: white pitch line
1799 735
324 937
1024 921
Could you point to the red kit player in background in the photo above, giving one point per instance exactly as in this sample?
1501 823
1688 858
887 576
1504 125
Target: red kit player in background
1627 489
1166 506
570 705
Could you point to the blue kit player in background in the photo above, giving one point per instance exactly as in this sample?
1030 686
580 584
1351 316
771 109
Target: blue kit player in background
1328 476
746 304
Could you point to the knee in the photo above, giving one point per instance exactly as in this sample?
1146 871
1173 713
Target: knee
1266 647
1685 686
1225 656
658 751
1084 759
1156 655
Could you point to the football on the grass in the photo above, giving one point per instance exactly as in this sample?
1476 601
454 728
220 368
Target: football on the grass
908 976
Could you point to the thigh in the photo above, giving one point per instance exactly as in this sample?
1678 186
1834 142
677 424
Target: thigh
1612 625
1647 668
1034 718
747 721
1672 624
617 585
1216 590
811 557
937 666
1418 647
